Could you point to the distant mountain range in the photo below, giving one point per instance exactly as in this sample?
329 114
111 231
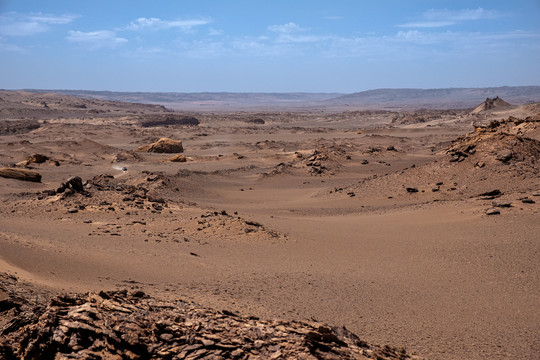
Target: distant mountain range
451 98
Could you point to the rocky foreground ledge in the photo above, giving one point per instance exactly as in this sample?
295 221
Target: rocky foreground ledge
133 325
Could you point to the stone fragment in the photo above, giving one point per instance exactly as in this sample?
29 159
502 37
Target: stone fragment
504 155
502 204
489 195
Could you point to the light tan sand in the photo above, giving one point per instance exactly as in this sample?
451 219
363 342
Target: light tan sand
428 270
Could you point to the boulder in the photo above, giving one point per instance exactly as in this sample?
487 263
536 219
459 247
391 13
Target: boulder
20 174
177 158
73 184
163 145
37 159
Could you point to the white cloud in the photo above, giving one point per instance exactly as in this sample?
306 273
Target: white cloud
53 19
419 45
159 24
405 45
215 32
427 24
13 24
286 28
443 17
287 38
461 15
96 39
290 33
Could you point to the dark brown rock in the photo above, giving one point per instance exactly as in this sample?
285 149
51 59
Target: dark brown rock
20 174
488 195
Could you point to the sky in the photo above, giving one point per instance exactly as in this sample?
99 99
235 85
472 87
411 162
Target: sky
268 46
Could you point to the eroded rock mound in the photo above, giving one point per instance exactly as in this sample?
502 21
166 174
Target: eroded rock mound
495 103
132 325
163 145
20 174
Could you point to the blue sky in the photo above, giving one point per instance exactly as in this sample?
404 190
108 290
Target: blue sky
268 46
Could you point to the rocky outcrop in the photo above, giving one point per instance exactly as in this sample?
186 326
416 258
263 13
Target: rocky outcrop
163 145
495 103
133 325
37 159
509 141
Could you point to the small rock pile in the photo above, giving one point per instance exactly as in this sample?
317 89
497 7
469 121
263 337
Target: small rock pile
132 325
315 162
73 185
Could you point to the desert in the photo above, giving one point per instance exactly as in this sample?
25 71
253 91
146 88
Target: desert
131 230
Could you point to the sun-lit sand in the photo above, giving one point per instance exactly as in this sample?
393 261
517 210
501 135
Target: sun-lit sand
377 221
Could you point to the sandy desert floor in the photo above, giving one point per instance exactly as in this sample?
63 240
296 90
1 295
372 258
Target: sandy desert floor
347 219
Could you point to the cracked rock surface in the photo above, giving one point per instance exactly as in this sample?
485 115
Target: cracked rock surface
133 325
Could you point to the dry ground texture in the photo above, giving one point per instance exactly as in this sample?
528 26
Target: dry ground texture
418 229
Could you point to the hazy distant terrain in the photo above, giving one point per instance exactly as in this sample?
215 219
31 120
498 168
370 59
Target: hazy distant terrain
451 98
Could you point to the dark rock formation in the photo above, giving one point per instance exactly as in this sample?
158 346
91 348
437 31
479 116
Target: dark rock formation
132 325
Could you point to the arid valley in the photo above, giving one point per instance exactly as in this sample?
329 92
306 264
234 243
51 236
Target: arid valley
415 229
